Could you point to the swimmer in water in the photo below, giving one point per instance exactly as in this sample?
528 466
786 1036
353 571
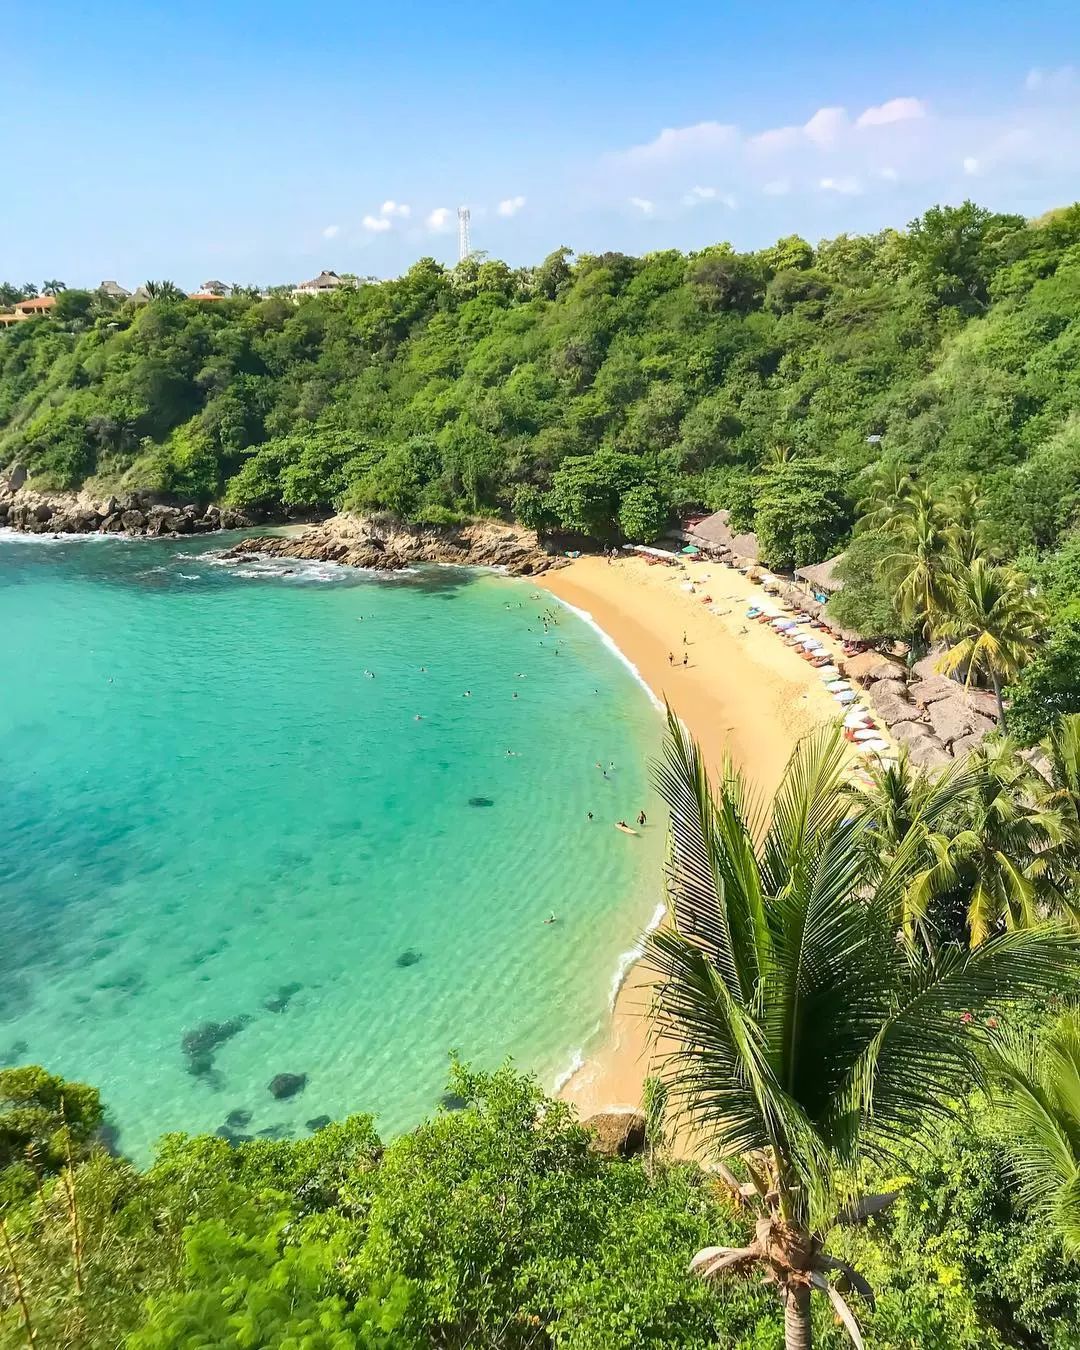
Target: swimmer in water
552 919
589 814
418 718
641 817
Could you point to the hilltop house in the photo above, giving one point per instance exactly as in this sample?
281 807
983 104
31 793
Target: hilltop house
28 309
324 284
114 290
211 290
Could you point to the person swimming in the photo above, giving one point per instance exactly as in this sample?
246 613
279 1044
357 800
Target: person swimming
589 814
552 919
467 694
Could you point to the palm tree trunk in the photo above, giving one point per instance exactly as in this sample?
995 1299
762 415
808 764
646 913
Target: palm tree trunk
997 694
797 1329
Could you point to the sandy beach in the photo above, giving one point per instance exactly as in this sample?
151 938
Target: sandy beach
742 693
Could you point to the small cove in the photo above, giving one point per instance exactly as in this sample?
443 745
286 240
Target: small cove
228 854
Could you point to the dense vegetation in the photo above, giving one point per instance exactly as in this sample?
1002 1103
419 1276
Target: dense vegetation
872 1007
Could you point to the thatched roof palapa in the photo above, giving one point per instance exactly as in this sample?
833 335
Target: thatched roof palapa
822 576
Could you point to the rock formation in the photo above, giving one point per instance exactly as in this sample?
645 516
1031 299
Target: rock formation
617 1134
142 513
386 544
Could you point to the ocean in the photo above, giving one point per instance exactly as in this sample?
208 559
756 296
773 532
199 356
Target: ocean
294 819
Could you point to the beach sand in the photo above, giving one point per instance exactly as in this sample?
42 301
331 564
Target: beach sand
743 694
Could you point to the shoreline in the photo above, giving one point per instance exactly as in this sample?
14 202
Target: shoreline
743 695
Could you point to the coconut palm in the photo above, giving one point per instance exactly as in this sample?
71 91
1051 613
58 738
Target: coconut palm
964 532
1057 789
1037 1082
888 489
52 287
795 1031
906 809
918 566
993 623
998 861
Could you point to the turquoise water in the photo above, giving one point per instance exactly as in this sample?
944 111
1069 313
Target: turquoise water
210 814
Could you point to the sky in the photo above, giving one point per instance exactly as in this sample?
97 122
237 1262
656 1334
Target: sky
261 142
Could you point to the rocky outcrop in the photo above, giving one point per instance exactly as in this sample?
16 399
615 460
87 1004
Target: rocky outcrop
138 513
617 1134
386 544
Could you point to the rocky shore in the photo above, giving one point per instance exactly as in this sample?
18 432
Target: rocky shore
135 513
386 544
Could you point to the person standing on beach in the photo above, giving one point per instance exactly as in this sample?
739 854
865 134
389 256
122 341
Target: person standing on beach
641 817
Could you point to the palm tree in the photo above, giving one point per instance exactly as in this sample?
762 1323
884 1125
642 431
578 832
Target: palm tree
888 490
1058 791
964 509
993 622
52 287
1038 1092
918 566
997 860
906 809
796 1031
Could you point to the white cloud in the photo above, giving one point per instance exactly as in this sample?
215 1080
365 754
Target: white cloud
438 222
1058 80
822 130
643 204
376 224
392 208
684 142
331 232
895 110
511 206
825 125
1027 148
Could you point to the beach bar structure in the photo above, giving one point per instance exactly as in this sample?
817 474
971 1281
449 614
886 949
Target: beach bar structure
820 579
714 536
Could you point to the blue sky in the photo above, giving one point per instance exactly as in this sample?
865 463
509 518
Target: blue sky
263 141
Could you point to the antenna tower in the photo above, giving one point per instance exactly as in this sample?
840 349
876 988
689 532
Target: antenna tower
464 246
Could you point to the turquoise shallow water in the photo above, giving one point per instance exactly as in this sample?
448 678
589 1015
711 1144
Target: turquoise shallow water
210 814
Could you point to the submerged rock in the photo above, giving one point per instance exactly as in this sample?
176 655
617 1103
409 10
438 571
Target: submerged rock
223 1132
408 958
481 801
200 1042
274 1132
108 1136
280 1001
236 1120
452 1101
285 1085
317 1123
16 1051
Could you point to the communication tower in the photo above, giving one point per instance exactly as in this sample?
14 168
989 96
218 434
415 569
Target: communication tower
464 246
